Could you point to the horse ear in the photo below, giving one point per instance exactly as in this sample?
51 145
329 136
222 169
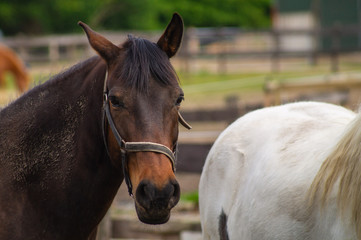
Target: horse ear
103 46
171 39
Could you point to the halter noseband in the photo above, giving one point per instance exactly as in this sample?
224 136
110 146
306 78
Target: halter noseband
131 147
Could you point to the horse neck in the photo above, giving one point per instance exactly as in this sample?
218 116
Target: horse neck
22 79
55 131
64 110
14 64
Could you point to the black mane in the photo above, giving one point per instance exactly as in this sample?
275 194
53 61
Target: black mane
143 60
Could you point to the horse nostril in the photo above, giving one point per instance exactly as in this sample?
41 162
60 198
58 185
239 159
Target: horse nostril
148 195
149 191
145 193
176 192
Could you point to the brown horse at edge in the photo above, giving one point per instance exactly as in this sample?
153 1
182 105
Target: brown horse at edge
10 62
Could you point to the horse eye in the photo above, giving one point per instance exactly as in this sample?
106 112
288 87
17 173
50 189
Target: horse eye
116 102
179 100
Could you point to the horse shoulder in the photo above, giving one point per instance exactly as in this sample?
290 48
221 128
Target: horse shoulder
220 178
225 170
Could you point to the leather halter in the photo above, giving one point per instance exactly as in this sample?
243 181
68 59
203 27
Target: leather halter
131 147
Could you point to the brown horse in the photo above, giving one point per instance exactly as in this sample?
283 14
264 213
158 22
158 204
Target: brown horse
9 62
67 145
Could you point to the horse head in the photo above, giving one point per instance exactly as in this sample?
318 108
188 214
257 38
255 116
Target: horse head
142 98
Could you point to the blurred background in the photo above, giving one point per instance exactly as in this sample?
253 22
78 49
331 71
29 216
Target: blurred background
236 56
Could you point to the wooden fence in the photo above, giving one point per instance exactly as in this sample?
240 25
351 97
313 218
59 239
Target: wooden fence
58 47
220 44
349 84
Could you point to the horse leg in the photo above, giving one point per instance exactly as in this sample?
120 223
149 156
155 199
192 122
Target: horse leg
222 227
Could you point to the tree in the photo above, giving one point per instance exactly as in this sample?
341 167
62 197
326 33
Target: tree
38 16
61 16
215 13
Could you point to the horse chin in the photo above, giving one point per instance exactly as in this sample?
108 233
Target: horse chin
152 216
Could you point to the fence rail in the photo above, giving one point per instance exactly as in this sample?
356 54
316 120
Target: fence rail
59 47
222 44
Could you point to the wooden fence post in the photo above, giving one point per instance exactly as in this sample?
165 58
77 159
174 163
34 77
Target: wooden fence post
105 227
335 47
275 58
54 52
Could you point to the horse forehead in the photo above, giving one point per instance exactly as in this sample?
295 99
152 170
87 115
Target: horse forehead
161 90
155 101
156 91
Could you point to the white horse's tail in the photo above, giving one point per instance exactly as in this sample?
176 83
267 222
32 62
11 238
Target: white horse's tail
342 166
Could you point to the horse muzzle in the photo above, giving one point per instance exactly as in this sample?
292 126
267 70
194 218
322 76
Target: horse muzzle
152 204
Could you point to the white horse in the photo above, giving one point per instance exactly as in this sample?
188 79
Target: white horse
287 172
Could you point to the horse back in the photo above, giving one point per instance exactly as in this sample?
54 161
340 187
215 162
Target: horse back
260 168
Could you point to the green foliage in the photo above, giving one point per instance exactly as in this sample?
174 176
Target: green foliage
39 17
61 16
127 14
215 13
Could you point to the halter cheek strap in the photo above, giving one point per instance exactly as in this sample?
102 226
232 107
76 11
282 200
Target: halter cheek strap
183 122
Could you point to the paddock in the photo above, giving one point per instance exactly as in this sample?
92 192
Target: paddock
208 122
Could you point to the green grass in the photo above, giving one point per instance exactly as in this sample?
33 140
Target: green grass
190 197
9 81
205 77
303 71
40 78
208 89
